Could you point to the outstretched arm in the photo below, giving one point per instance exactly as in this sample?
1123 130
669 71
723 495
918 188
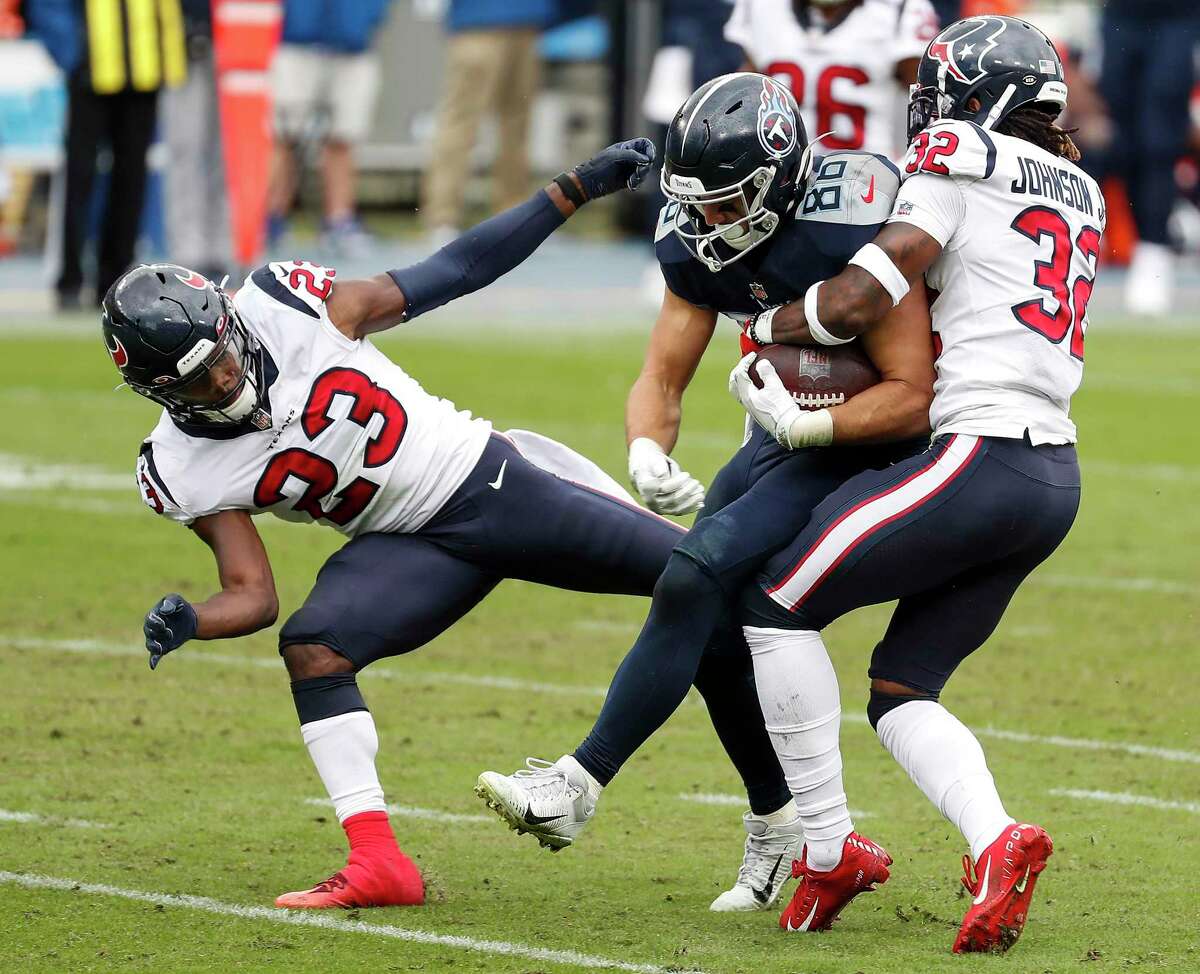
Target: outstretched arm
839 309
485 252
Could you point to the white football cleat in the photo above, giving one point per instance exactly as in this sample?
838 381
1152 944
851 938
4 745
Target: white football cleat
552 802
766 866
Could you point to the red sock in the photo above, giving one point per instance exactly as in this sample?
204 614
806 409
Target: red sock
371 835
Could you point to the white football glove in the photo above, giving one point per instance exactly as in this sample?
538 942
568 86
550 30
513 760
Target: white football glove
774 409
659 481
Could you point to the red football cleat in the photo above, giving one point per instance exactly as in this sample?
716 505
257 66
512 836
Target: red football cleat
1010 868
821 896
395 881
377 874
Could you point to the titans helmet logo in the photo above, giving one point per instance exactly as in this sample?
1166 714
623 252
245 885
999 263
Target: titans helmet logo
776 121
962 47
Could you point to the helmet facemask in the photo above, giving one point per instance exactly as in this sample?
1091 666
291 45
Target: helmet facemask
755 224
190 399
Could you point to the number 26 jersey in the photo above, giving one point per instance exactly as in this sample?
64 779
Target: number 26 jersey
1020 231
354 441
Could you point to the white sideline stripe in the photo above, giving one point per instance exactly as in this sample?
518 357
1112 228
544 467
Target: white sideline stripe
1125 798
1099 582
323 921
410 811
715 798
32 818
99 647
870 515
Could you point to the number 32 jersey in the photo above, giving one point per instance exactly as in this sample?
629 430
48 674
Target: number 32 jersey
354 441
1020 231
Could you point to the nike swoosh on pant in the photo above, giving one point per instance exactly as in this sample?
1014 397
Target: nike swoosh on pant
495 484
869 195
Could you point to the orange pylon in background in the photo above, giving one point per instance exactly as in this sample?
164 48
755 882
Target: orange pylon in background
245 36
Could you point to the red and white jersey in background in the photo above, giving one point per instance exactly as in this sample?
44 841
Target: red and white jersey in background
1020 231
844 78
354 441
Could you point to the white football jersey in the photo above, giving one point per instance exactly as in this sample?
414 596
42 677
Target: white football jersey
844 78
354 441
1020 230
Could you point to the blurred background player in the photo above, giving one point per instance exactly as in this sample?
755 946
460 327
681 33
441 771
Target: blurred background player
848 63
492 67
325 80
1146 73
117 67
196 203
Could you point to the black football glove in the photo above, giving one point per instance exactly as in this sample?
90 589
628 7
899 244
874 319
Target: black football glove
170 624
622 165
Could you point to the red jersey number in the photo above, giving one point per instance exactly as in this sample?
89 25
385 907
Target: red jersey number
317 280
1071 299
928 150
828 108
319 475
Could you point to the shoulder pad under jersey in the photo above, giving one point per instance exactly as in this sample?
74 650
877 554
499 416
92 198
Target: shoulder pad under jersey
952 147
300 284
668 248
155 493
855 188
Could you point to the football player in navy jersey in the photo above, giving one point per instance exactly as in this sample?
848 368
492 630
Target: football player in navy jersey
747 227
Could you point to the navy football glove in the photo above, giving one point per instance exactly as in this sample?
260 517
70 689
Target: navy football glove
170 624
618 166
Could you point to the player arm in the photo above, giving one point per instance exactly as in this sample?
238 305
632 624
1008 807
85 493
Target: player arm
486 252
901 348
655 406
677 343
247 601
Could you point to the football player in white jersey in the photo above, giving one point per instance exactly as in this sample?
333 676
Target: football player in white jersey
277 401
996 218
848 62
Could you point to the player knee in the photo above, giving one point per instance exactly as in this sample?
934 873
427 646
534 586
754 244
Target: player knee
307 661
683 581
887 695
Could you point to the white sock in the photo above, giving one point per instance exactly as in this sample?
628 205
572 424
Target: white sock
945 761
782 816
801 705
343 748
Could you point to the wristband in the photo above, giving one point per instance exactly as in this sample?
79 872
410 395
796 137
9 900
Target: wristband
572 192
810 429
815 328
760 327
874 260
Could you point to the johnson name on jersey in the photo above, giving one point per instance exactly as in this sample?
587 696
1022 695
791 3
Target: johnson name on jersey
354 441
1020 231
849 198
844 77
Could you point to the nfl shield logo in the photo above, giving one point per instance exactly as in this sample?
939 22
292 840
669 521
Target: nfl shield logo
758 292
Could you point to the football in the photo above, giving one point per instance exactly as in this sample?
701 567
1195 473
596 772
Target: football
818 376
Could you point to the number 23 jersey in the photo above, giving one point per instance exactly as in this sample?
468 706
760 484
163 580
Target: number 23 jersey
1020 231
354 441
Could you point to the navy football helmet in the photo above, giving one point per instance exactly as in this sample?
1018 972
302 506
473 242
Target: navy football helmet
177 339
737 139
1004 62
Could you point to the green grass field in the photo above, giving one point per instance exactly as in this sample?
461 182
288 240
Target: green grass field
193 781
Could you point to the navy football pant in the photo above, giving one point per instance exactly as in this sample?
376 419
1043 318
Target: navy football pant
755 505
951 533
382 595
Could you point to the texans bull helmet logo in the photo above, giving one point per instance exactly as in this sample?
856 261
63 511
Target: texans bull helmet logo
776 121
962 46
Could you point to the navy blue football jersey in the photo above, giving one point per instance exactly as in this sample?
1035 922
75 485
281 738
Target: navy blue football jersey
849 199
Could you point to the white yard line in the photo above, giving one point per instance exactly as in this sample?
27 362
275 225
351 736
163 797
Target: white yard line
32 818
324 921
200 655
1125 798
714 798
410 811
